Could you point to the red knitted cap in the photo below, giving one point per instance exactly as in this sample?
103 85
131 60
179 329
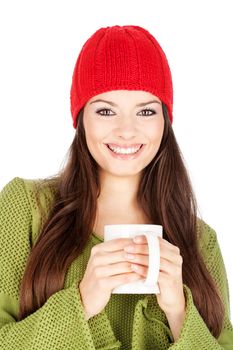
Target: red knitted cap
120 58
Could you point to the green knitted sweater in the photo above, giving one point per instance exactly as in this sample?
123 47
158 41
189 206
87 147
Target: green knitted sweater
134 321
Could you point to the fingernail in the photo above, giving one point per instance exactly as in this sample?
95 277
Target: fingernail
129 248
130 256
137 239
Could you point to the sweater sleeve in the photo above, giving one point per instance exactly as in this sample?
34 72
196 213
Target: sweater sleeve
195 334
60 323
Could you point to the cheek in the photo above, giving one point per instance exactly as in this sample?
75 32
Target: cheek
97 133
95 137
155 132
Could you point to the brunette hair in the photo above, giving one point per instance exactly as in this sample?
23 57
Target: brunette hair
164 194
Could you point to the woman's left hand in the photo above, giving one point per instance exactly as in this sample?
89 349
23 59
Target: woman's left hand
171 298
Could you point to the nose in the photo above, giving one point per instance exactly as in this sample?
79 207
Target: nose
126 128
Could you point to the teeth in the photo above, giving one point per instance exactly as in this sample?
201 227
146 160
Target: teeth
130 150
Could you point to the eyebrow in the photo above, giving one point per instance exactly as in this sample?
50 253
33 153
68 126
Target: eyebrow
115 105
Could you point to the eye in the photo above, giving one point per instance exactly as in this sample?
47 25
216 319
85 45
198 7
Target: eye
148 110
100 112
106 112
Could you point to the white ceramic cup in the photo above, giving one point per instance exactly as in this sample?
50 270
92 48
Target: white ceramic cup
149 285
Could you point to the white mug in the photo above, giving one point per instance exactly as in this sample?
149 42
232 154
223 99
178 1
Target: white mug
149 285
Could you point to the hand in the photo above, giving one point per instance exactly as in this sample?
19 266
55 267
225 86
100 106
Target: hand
171 298
106 269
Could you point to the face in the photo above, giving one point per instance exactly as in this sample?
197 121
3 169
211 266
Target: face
123 120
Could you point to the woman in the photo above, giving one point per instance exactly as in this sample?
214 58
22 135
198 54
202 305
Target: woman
124 166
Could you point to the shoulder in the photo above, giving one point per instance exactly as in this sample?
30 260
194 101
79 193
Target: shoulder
25 190
21 199
205 233
13 195
14 185
207 240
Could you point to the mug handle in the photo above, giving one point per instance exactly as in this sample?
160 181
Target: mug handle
154 258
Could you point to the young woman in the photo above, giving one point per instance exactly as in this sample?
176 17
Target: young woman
124 166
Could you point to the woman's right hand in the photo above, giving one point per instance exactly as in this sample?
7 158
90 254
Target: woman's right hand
106 269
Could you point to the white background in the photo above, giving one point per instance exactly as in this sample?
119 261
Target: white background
40 42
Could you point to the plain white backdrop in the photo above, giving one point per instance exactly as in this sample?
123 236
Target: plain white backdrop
40 42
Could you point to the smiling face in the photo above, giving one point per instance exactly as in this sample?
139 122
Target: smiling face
124 120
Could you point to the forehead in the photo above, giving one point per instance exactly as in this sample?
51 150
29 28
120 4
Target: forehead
128 95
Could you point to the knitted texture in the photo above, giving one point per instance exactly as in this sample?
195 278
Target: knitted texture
128 322
120 57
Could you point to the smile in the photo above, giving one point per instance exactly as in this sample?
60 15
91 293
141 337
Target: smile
125 153
124 150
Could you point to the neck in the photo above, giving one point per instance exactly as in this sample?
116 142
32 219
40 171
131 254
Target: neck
118 193
117 203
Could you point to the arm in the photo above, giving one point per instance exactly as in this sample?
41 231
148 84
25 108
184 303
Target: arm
154 329
194 333
176 323
60 323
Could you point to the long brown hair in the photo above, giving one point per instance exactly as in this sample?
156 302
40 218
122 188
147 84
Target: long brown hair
166 196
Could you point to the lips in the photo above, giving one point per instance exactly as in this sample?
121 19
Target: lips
130 156
125 146
137 148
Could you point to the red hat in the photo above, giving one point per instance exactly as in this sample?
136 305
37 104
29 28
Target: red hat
120 58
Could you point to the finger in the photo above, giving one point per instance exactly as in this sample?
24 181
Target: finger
168 245
138 258
172 255
117 280
170 268
167 250
102 258
112 245
143 240
137 248
112 269
140 269
140 239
